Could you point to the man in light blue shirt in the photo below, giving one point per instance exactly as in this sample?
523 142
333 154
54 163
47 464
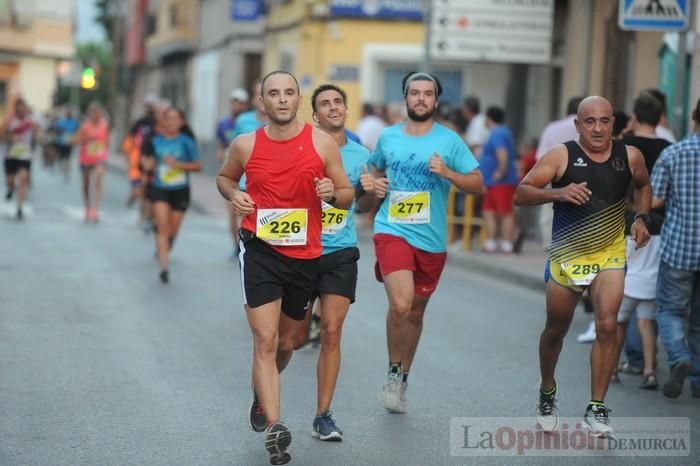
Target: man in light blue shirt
337 278
415 163
675 184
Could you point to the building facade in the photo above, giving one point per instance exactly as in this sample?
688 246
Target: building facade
366 47
35 37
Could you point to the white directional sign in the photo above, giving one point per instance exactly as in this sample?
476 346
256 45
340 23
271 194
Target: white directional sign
512 31
654 15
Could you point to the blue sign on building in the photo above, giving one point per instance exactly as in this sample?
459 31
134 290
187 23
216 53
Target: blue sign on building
246 10
381 9
654 15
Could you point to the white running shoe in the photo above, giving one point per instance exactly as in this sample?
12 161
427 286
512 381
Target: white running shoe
596 419
390 396
588 336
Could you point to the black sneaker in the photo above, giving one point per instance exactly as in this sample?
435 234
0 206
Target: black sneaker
674 386
256 416
649 382
596 419
20 214
9 194
277 441
164 276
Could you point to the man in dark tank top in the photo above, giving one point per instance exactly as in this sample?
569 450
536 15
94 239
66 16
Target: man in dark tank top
589 178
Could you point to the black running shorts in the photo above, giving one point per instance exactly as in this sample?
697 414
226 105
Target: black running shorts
12 166
267 275
338 273
178 199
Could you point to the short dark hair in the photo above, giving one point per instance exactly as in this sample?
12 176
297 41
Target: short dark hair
272 73
697 112
572 106
621 120
496 114
660 96
472 103
647 109
420 76
324 88
368 108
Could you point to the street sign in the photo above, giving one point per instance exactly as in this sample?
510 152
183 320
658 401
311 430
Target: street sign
654 15
492 31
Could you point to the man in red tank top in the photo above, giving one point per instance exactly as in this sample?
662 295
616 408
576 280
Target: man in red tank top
289 166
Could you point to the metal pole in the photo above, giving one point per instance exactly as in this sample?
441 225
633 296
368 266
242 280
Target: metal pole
428 28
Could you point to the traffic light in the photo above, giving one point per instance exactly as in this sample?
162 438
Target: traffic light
87 79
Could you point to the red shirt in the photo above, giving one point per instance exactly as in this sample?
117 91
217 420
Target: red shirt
280 175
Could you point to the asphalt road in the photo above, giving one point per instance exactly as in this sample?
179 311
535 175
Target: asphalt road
101 364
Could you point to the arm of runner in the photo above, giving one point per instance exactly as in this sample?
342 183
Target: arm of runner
335 188
532 189
365 197
472 182
660 182
642 196
231 172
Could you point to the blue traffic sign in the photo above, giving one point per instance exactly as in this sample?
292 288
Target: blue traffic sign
654 15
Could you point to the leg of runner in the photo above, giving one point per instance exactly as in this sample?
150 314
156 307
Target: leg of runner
302 337
606 295
85 172
561 302
264 322
335 308
400 292
174 223
413 327
288 331
162 213
23 175
99 176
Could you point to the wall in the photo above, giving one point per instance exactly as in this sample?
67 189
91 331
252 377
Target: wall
37 82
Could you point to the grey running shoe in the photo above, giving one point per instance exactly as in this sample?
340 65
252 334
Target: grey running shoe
390 396
674 386
277 441
596 418
256 416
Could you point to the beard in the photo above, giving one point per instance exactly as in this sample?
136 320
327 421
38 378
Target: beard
412 115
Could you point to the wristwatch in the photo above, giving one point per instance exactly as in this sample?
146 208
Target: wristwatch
644 217
332 200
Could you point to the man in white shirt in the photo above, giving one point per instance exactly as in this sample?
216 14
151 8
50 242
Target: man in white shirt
369 127
477 132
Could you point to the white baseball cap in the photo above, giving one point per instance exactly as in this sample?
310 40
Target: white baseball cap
239 94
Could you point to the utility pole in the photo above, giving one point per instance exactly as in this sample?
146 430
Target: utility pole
427 27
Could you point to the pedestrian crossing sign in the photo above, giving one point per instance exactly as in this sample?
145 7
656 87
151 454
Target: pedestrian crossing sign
654 15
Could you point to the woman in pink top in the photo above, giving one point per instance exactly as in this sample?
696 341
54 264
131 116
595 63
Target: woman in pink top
93 138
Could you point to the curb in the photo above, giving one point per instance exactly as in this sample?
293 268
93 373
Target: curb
485 266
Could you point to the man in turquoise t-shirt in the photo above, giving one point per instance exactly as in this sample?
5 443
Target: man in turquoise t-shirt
414 163
337 278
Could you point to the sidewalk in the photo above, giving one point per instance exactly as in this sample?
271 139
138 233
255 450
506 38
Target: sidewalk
526 269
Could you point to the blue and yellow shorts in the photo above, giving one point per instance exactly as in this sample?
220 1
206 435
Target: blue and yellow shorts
578 273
